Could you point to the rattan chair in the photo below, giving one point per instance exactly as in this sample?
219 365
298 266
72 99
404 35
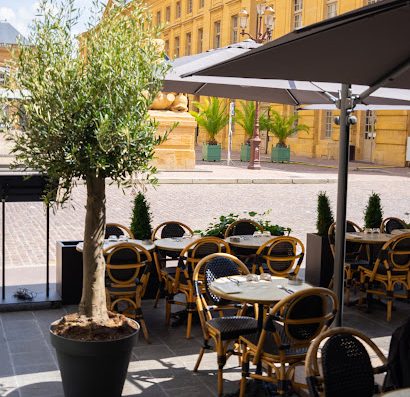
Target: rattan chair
352 258
224 330
280 256
115 229
128 268
390 224
289 329
391 268
243 227
182 283
167 230
345 368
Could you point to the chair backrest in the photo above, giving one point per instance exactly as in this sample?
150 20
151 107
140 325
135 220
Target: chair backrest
351 248
116 229
128 262
170 229
346 365
243 227
208 270
391 223
394 255
281 255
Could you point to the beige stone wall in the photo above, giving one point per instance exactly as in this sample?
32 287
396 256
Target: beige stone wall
178 151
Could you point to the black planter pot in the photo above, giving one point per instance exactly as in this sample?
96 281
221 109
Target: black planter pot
319 260
93 368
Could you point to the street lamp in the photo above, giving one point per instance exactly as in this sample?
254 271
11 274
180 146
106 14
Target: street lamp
267 14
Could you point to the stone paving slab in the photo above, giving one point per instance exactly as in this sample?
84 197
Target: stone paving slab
28 365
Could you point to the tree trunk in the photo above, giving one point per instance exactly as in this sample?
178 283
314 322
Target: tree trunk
93 303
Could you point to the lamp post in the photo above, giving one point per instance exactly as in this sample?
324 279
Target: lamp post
267 14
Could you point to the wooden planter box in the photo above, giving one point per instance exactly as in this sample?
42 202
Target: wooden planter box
211 152
319 260
280 154
245 152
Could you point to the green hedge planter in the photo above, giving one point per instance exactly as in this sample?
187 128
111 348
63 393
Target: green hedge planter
245 152
280 154
211 152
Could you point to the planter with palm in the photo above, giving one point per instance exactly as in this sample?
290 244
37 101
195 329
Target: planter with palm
282 127
245 117
212 115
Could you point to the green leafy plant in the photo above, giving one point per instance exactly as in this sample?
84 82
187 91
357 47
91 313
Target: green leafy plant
87 115
373 213
218 228
212 116
245 117
141 218
282 127
324 214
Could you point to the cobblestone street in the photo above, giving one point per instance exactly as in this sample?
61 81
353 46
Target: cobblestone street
292 205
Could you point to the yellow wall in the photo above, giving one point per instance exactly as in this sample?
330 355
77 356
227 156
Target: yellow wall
392 128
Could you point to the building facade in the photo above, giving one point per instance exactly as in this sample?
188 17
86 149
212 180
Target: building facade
193 26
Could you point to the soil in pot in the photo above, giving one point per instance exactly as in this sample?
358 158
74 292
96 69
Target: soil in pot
93 358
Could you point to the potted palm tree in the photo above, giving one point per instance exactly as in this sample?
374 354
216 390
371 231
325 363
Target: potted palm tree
88 120
245 117
282 127
212 115
319 257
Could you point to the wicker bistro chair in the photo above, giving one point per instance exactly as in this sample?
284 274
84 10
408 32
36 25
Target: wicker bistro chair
222 329
166 230
280 256
390 224
289 329
352 259
391 268
346 368
128 268
244 227
182 283
115 229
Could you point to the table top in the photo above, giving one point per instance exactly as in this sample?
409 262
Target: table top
263 292
248 241
108 245
397 393
176 244
368 238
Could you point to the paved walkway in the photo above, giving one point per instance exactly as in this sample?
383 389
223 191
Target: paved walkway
28 366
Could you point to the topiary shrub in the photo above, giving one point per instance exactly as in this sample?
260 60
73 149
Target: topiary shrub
141 218
324 214
373 213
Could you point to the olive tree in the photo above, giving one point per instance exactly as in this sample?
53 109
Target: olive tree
87 114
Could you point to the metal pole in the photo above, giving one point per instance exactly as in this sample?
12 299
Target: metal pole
255 160
48 252
3 249
340 240
230 131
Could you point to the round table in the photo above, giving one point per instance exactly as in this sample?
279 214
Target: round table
252 242
176 244
368 238
108 245
397 393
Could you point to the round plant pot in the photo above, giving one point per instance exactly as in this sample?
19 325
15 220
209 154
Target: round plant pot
93 368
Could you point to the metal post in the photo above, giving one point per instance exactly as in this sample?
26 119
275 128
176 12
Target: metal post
230 131
255 160
340 240
48 251
3 249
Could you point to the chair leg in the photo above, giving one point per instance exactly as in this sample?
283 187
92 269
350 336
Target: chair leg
189 325
157 298
221 356
167 312
144 330
245 373
199 359
389 308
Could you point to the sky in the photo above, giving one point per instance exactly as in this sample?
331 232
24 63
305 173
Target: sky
21 12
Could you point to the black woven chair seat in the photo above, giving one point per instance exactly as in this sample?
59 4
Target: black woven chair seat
354 264
171 274
270 347
233 327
